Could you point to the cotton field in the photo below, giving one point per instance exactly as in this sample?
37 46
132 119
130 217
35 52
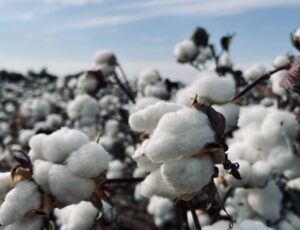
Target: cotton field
101 150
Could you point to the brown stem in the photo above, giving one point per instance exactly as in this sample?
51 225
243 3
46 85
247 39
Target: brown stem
128 94
195 217
124 180
125 79
265 76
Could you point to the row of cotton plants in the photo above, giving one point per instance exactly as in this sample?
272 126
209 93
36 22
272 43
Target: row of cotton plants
99 150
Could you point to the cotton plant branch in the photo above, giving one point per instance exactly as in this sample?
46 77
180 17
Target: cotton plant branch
124 180
194 215
123 88
125 79
262 78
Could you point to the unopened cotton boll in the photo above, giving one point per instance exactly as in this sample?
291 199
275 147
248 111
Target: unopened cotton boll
185 51
155 185
77 217
281 61
188 175
178 134
115 169
209 88
254 72
18 201
105 57
260 173
88 161
266 202
161 209
147 119
68 188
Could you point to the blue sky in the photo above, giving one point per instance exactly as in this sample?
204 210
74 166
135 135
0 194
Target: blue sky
64 34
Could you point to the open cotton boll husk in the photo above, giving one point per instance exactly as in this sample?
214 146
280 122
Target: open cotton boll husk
88 161
189 175
155 185
67 187
180 133
147 118
209 88
266 202
18 201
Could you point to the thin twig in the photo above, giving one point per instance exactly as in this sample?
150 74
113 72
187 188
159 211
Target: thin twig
125 79
124 180
124 88
264 77
195 66
195 217
183 212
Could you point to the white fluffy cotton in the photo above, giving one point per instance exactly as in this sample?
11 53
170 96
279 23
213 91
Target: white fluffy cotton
185 51
281 61
209 88
254 72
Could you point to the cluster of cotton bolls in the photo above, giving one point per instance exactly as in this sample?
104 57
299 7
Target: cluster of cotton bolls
65 163
167 155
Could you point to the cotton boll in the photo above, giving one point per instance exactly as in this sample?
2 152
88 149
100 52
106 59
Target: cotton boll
35 144
155 185
104 57
181 133
281 61
142 160
83 106
266 202
58 145
225 60
284 225
293 219
280 125
157 90
25 135
112 128
109 105
41 172
147 77
76 217
88 161
142 103
33 223
54 121
252 224
276 79
252 113
231 113
87 83
260 173
147 119
185 51
5 184
18 201
115 169
161 209
188 175
68 188
254 72
209 88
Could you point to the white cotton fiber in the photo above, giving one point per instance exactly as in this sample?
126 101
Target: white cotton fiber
185 51
142 159
88 161
18 201
225 60
187 175
181 133
35 144
281 61
276 79
252 224
260 173
5 184
147 119
244 170
252 114
115 169
147 77
209 88
41 173
77 217
254 72
155 185
68 188
142 103
266 202
87 83
231 113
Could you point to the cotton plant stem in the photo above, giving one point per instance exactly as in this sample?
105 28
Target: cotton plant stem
194 214
120 84
125 79
264 77
196 67
183 213
124 180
